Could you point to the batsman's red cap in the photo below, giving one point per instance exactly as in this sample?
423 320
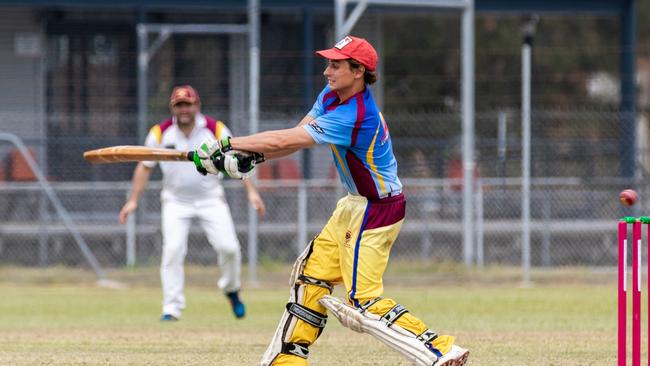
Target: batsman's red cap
355 48
184 93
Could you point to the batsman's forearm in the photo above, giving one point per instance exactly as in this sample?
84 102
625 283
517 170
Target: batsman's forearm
279 154
274 144
140 179
283 153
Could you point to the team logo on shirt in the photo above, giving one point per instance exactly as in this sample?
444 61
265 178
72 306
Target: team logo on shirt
316 128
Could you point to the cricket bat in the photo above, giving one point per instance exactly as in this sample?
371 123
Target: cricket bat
129 153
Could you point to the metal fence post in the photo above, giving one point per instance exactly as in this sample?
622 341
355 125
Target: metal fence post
480 260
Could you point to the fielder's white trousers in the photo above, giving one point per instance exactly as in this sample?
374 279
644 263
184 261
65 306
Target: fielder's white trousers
214 216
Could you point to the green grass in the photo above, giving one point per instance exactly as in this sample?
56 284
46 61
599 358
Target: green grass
57 316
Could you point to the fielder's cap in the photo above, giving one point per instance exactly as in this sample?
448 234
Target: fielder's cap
184 93
355 48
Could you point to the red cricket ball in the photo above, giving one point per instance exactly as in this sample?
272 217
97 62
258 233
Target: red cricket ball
628 197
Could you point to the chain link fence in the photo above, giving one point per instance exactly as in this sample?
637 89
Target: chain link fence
87 99
573 222
574 204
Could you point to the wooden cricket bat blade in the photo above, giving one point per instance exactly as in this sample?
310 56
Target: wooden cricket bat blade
128 153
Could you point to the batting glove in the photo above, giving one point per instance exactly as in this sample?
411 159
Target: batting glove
238 164
207 152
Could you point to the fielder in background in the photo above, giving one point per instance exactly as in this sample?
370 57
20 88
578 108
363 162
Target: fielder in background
354 246
184 196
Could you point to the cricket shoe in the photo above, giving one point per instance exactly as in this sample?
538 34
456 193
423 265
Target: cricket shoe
457 356
168 318
238 307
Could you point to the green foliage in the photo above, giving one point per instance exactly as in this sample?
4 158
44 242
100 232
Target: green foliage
422 59
422 66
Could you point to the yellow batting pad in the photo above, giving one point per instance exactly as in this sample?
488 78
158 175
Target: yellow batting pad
304 317
304 332
443 343
406 321
289 360
412 324
393 336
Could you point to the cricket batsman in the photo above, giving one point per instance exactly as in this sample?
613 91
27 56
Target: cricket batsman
354 246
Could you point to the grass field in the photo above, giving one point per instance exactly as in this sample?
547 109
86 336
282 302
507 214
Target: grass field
58 316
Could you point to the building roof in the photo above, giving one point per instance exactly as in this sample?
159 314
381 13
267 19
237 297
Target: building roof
586 6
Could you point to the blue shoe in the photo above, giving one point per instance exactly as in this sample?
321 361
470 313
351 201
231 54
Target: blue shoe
168 318
238 307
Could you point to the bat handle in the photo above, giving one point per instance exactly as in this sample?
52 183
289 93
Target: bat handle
190 155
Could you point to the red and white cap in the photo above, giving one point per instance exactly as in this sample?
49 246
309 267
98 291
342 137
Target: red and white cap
184 93
355 48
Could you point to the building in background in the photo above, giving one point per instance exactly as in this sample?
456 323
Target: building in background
69 77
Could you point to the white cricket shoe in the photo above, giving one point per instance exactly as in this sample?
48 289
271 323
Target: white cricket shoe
457 356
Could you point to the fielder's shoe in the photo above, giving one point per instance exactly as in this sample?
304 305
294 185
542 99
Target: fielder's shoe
457 356
168 318
238 307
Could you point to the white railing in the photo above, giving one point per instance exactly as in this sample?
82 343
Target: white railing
433 212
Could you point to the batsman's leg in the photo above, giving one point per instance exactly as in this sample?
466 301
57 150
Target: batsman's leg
399 330
312 277
373 231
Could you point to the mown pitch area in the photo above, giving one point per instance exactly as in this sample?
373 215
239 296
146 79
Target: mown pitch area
59 317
